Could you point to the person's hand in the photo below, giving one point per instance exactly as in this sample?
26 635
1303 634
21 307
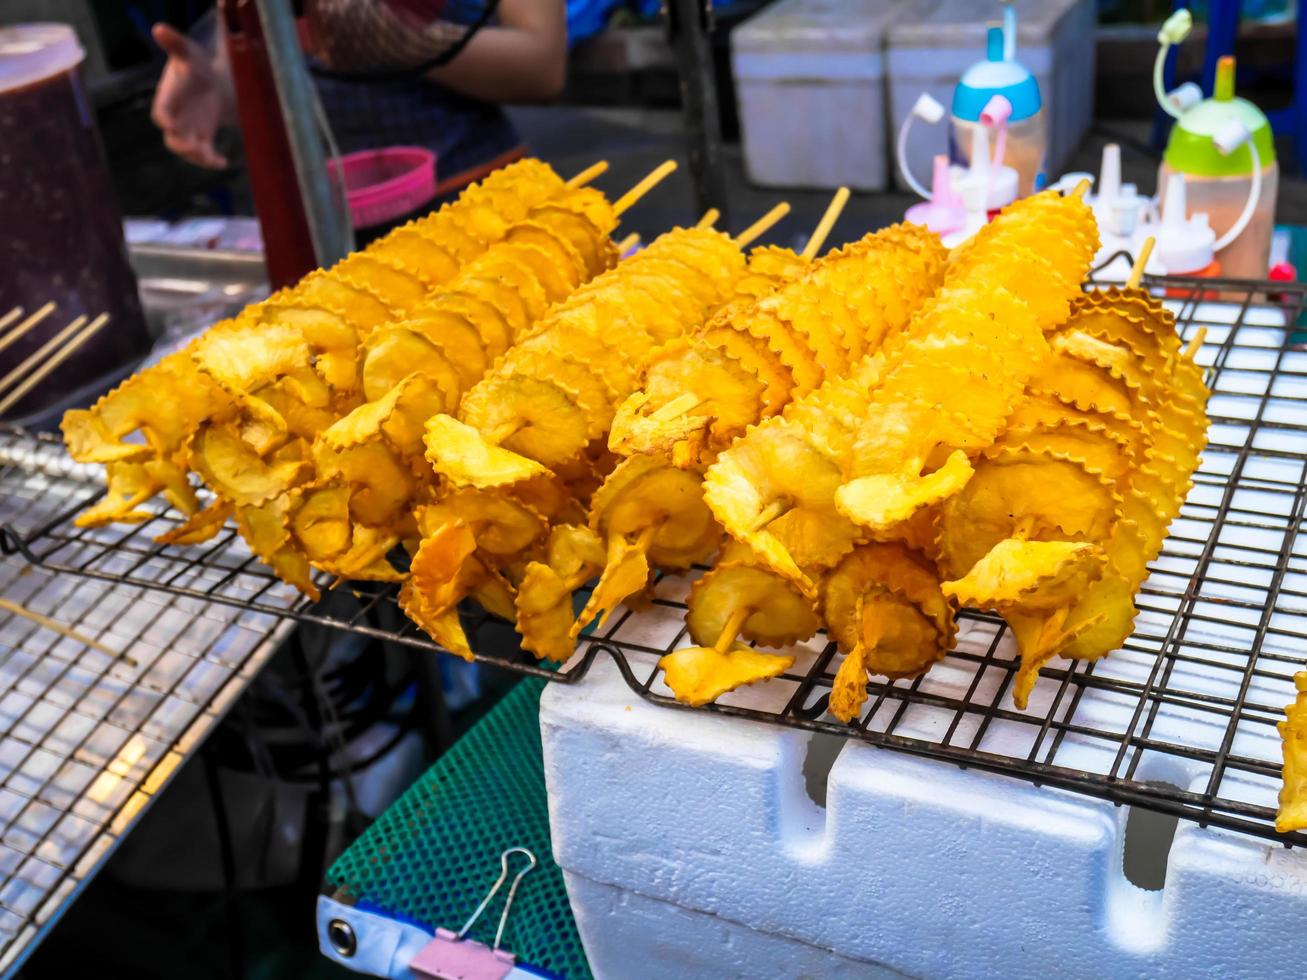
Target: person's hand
193 100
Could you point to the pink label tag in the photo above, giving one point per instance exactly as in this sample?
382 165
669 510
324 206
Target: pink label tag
448 958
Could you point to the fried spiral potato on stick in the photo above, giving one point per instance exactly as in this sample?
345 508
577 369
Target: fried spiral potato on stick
1293 731
868 455
153 414
850 300
1064 561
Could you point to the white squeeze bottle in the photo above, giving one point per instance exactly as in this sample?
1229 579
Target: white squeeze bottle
1224 148
1001 74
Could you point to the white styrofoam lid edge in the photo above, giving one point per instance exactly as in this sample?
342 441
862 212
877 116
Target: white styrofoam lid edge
31 53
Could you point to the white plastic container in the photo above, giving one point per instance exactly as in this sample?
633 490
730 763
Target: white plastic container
933 42
809 81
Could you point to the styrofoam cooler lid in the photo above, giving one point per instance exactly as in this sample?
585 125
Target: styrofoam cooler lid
818 26
961 23
31 53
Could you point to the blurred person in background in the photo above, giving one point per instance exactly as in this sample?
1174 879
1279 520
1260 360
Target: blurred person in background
427 73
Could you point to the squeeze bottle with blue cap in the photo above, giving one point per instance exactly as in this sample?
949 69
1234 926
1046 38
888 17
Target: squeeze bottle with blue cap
1224 148
1001 74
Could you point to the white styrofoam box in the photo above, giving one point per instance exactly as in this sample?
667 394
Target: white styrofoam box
809 82
933 42
692 848
696 844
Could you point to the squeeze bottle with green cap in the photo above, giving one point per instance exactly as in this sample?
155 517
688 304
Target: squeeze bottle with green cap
1001 74
1224 148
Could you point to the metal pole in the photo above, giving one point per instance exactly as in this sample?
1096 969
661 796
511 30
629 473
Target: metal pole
688 22
290 75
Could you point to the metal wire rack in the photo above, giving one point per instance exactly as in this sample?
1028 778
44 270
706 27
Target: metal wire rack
93 722
1181 720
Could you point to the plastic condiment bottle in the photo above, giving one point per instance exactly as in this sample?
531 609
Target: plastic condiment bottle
1001 74
61 237
1186 244
1221 182
943 212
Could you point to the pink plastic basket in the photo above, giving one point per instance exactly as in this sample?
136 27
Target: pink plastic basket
386 184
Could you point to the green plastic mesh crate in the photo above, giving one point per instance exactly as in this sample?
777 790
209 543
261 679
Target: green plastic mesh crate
434 853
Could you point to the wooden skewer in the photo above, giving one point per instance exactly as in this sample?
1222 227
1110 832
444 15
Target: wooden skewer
1191 349
709 219
827 222
628 243
625 202
731 628
10 317
588 174
679 405
61 629
776 509
1081 188
1141 260
26 325
39 375
762 225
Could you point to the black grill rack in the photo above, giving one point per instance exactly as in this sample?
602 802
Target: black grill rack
1182 720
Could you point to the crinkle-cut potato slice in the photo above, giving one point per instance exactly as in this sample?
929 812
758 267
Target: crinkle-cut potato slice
455 239
774 491
502 525
1103 619
357 303
574 340
235 471
408 248
264 529
439 570
575 377
758 358
243 359
893 567
787 344
533 417
779 614
560 251
392 354
799 307
1042 497
456 338
490 322
580 232
892 637
1033 575
732 395
700 675
1050 307
365 559
1085 386
776 263
483 222
696 288
645 492
1292 814
400 416
1117 360
1130 317
626 572
515 278
128 485
89 441
1046 408
556 282
320 521
382 486
510 308
622 328
301 421
883 500
461 453
201 526
544 613
1100 450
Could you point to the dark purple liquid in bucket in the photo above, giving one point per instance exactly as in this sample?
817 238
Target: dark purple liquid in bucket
61 237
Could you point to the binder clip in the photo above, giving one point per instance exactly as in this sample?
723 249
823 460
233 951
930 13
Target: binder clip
452 956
